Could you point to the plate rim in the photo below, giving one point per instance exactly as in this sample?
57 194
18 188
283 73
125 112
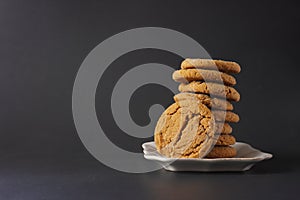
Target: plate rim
149 156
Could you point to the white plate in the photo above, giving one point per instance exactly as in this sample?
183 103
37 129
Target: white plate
246 157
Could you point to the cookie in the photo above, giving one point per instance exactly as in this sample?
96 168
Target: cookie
189 75
223 128
223 66
216 103
185 131
213 89
227 116
225 140
222 152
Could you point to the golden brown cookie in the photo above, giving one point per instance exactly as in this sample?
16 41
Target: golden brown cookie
216 103
226 116
223 128
210 88
189 75
222 152
224 66
185 131
225 140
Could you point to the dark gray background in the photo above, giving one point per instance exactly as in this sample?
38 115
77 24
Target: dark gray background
42 44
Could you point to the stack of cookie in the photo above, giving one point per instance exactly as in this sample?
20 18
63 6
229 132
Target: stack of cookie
206 91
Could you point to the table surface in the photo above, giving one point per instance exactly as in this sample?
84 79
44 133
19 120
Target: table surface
83 177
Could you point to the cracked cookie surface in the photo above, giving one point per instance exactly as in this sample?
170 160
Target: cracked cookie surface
189 75
223 128
216 103
213 89
185 131
222 152
225 140
227 116
224 66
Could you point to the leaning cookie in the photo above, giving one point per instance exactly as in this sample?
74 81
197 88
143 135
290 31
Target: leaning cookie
224 66
189 75
215 103
222 152
214 89
185 131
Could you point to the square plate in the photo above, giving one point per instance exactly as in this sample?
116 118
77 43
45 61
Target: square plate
246 157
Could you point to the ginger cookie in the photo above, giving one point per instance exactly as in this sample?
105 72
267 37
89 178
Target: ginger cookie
216 103
189 75
223 66
213 89
223 128
222 152
226 116
185 131
225 140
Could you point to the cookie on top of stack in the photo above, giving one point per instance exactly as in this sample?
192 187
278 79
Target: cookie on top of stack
190 128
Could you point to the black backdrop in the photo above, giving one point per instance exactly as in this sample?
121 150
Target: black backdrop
42 44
